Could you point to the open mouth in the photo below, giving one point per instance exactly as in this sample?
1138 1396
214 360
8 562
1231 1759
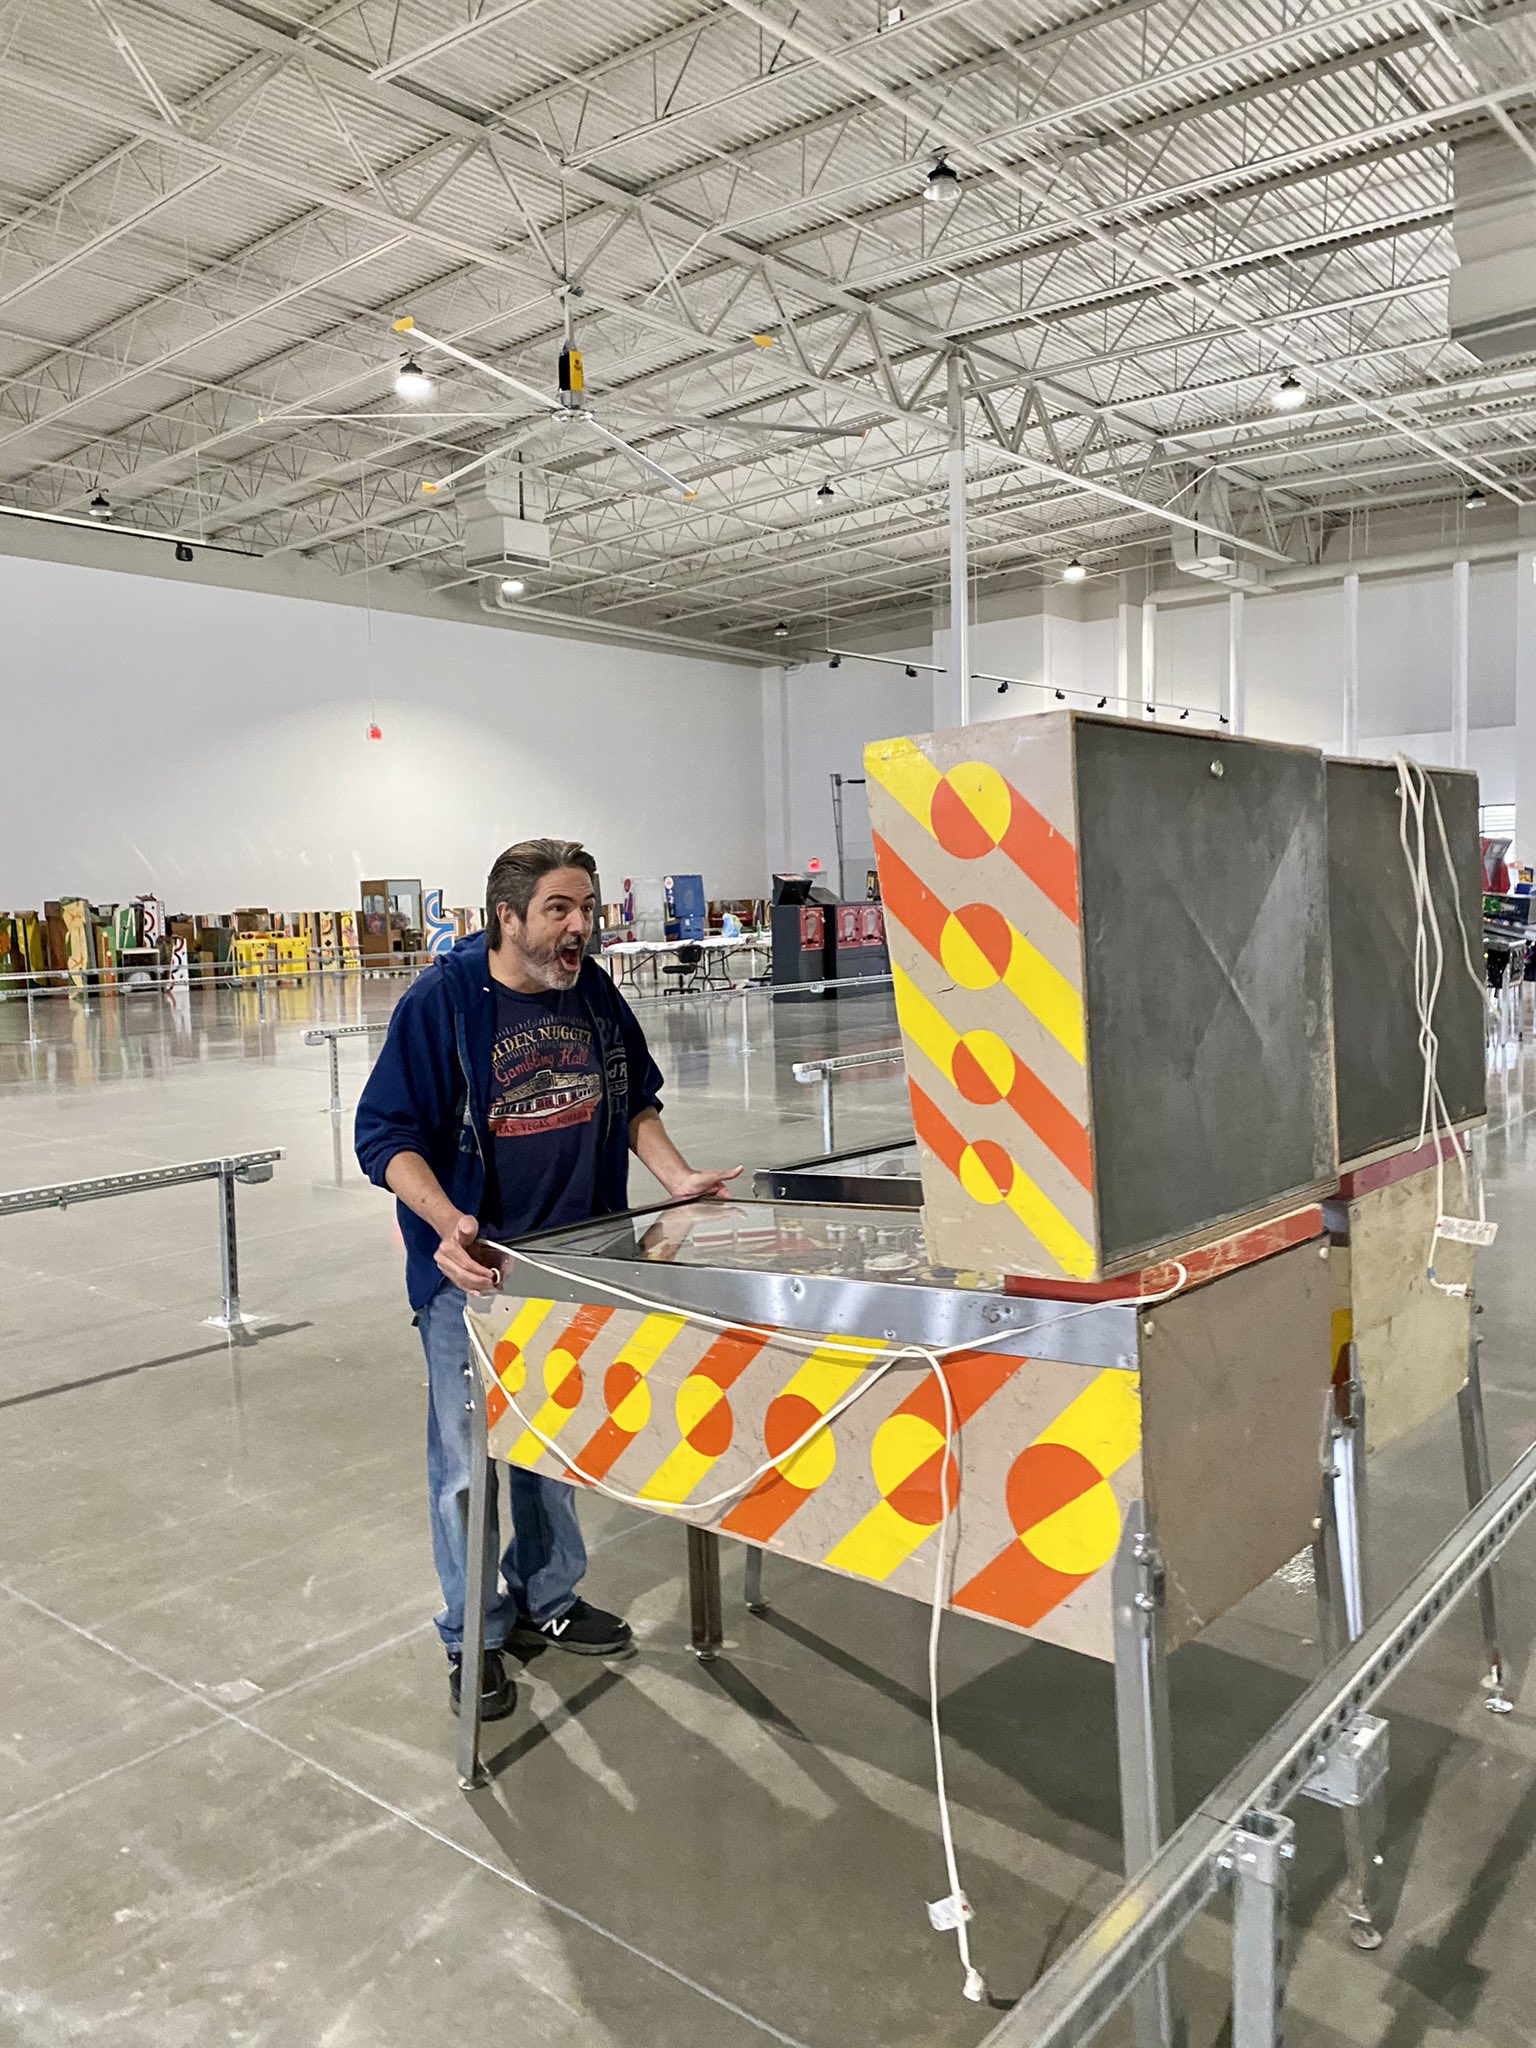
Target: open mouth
570 956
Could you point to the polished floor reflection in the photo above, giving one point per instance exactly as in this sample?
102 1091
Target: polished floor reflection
227 1802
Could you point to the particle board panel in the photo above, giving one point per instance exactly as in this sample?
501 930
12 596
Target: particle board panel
1410 1340
1236 1380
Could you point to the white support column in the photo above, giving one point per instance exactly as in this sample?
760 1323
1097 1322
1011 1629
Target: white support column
959 583
1129 629
1525 704
1148 659
1461 634
1237 675
1349 742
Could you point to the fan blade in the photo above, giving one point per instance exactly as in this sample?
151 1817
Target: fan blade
721 421
448 348
635 456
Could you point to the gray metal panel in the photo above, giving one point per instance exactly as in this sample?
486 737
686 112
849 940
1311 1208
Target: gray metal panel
798 1287
1380 1071
1206 951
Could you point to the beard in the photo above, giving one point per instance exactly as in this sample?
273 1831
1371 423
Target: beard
555 966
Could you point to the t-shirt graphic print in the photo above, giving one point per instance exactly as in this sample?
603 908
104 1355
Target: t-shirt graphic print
545 1094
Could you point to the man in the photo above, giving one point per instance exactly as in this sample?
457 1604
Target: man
513 1085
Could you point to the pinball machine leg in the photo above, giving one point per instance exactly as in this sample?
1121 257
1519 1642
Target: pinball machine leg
472 1672
704 1607
1339 1568
1146 1775
752 1581
1479 1477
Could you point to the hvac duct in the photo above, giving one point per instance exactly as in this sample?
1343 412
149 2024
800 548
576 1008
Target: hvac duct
1203 554
503 523
1493 224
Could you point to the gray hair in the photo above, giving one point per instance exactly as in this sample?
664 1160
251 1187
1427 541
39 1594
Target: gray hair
516 874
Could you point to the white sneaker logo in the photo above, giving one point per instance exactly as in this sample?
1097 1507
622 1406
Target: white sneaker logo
556 1628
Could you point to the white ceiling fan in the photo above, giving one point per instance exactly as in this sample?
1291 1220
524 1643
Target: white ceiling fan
569 405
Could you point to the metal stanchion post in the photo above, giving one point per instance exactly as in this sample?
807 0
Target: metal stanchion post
229 1317
32 1037
826 1111
335 1075
1262 1850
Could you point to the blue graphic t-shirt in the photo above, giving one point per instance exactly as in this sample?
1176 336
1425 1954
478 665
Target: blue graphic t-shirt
545 1097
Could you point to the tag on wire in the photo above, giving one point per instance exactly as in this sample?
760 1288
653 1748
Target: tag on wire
945 1915
1463 1230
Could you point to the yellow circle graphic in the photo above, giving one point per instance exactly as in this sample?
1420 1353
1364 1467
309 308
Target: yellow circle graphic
695 1398
985 795
1079 1537
994 1058
976 1180
963 959
903 1445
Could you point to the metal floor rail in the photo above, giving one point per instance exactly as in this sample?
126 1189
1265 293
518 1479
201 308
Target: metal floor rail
241 1166
824 1070
1326 1745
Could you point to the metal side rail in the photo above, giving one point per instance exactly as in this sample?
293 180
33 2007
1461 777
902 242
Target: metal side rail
327 1035
250 1167
1327 1746
826 1070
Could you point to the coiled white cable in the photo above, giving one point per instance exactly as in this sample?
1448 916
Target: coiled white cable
1417 793
955 1903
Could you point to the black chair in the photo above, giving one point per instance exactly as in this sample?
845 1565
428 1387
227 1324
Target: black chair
682 973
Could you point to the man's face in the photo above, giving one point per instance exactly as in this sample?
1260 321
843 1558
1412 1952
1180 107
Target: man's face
549 943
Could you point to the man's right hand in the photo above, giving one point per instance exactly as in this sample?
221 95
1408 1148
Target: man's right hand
457 1262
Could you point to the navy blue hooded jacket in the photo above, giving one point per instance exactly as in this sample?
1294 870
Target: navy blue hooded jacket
429 1093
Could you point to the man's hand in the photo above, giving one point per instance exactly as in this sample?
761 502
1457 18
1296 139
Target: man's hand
693 1185
456 1260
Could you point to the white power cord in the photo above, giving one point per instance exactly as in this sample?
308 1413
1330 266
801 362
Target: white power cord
953 1911
1415 792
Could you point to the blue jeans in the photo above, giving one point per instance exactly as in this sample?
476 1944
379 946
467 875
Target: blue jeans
544 1562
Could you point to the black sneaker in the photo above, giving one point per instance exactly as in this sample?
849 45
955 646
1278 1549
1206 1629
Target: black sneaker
498 1695
582 1628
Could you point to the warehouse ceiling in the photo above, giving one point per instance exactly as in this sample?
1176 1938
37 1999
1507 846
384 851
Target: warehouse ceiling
211 212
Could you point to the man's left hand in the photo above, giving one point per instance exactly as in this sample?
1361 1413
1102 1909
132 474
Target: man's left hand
695 1185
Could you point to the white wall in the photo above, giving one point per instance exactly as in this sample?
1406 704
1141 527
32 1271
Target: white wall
210 744
1294 659
816 722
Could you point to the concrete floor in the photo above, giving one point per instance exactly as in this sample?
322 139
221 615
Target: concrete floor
228 1810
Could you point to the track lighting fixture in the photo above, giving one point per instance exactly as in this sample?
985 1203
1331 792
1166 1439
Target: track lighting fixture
1074 572
183 552
412 381
781 631
834 661
1289 393
1061 696
1002 689
911 672
1184 714
943 186
826 491
1102 702
99 508
1151 711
